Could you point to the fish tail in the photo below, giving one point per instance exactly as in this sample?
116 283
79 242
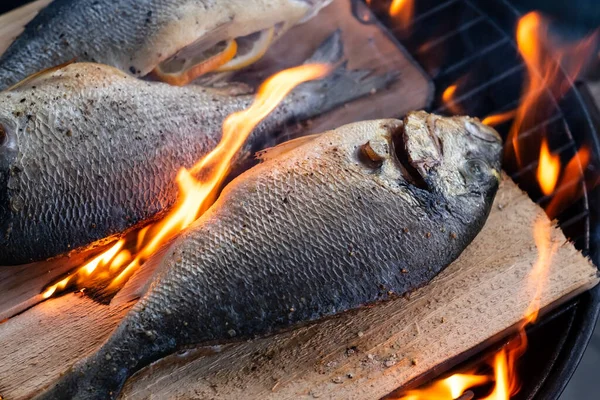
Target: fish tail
339 87
102 375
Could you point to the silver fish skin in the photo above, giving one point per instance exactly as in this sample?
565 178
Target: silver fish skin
136 36
88 152
366 212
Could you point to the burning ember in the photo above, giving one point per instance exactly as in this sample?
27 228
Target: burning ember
125 256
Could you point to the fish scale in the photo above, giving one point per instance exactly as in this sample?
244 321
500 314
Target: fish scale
93 153
136 36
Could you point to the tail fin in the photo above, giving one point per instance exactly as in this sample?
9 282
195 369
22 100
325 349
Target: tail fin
136 342
339 87
90 379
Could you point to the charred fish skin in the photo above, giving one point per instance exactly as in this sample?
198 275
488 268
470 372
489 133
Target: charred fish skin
136 36
90 152
330 226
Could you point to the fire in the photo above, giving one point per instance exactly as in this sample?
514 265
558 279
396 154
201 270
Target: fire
448 94
501 377
402 11
503 363
447 389
196 195
548 169
497 119
543 60
448 97
542 232
569 188
546 61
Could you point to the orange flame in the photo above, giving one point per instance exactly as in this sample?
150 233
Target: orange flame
543 60
548 169
447 389
448 97
195 195
546 62
504 362
542 234
448 94
497 119
402 11
501 390
569 188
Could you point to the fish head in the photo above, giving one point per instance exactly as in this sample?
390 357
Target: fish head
456 157
221 37
21 106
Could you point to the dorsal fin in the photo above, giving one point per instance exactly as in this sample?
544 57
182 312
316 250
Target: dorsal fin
39 74
276 151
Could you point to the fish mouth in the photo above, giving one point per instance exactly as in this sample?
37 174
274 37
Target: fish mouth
410 172
214 54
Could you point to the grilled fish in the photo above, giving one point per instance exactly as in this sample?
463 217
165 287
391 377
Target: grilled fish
178 39
366 212
87 152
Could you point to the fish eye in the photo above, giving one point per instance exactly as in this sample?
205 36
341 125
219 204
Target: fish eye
476 168
3 135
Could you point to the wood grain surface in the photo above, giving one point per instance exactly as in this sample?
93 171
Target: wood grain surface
363 354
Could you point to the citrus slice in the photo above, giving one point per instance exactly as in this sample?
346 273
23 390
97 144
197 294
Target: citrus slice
180 71
251 48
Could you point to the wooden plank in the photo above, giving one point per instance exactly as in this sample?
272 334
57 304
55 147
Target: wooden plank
483 293
40 343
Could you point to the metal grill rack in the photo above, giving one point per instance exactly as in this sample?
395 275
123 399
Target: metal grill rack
471 43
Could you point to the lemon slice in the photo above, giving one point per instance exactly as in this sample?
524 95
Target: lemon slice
251 48
181 71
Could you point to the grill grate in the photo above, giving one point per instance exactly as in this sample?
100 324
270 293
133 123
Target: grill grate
471 43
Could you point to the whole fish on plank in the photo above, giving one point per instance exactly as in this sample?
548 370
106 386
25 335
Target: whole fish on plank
87 152
177 40
357 215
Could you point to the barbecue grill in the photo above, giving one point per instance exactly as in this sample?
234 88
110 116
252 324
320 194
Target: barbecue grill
472 41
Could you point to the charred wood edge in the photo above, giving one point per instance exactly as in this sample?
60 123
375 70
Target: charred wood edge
485 349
